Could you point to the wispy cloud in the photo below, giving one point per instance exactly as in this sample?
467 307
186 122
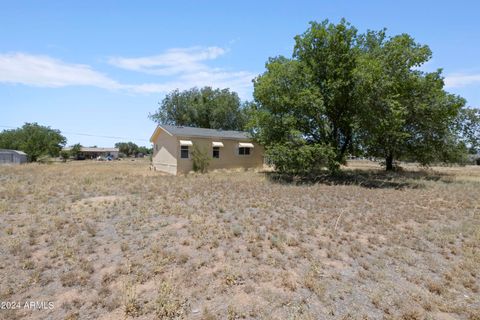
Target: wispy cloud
44 71
185 68
458 80
179 68
171 62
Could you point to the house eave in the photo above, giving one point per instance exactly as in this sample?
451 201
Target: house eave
212 137
157 131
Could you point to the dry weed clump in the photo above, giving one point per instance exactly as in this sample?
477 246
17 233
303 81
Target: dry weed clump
168 303
115 240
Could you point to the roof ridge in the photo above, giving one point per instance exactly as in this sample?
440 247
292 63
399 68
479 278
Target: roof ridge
204 132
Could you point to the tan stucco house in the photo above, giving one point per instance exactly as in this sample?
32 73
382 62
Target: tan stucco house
173 145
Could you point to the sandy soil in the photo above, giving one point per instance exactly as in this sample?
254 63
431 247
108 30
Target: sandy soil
113 240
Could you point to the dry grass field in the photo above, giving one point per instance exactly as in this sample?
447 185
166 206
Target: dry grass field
115 240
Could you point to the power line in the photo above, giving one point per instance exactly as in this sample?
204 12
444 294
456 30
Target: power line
90 135
108 137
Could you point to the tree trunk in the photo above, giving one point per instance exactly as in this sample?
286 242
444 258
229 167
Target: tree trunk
389 162
344 149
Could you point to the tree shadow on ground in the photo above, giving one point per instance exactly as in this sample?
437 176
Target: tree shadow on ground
372 179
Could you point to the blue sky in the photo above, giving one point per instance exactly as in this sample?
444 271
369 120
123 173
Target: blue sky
100 67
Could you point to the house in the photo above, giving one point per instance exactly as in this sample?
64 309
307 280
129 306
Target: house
12 156
173 146
94 152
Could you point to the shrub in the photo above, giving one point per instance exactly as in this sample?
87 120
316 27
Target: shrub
200 159
75 150
64 155
45 159
304 159
169 305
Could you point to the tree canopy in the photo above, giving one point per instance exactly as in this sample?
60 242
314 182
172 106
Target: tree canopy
33 139
127 148
144 150
406 113
343 91
204 108
76 150
468 124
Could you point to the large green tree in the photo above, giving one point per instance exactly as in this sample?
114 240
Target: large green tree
309 102
204 108
33 139
342 91
406 114
328 55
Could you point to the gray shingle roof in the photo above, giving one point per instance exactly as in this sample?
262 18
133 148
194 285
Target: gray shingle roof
91 149
183 131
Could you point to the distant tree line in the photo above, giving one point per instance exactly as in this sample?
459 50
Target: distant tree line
39 141
131 149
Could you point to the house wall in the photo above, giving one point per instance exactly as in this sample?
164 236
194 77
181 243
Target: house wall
229 157
165 149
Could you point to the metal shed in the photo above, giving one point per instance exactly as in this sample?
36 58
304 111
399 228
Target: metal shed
12 156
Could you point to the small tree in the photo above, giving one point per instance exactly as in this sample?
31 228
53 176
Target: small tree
75 150
64 154
200 159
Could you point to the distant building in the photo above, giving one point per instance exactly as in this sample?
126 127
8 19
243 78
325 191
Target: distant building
93 153
172 148
12 156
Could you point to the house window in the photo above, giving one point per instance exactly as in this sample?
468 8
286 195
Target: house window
184 152
243 151
216 152
156 147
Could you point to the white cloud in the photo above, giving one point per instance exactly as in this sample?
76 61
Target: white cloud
186 68
175 68
172 62
458 80
239 82
43 71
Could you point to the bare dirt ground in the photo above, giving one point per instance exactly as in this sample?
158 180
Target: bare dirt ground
115 240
